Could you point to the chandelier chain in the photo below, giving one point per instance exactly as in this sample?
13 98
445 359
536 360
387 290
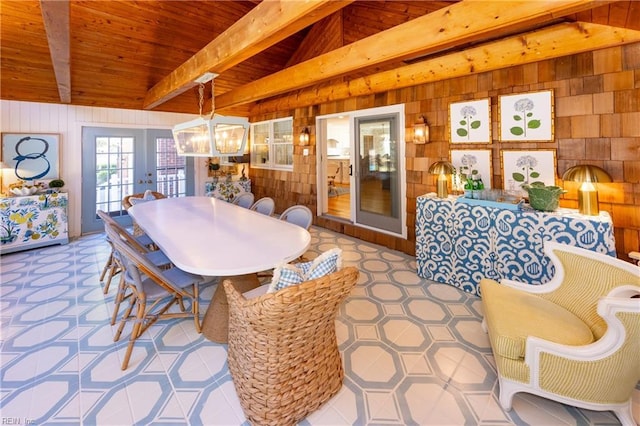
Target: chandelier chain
213 99
201 93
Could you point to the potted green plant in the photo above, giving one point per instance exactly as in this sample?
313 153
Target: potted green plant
56 184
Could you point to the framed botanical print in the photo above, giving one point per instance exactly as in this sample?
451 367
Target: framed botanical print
526 116
526 167
471 162
470 121
30 156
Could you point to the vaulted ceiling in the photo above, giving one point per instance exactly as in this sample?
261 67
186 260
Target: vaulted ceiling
147 54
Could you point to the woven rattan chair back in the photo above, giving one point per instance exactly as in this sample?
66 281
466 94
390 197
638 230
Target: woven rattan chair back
283 354
127 204
298 215
264 205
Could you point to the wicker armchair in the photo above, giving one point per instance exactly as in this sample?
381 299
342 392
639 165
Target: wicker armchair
283 354
127 204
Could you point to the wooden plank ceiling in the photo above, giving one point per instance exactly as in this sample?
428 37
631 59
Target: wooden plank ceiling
129 54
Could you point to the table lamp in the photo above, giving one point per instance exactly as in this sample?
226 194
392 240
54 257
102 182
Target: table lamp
2 167
588 176
442 169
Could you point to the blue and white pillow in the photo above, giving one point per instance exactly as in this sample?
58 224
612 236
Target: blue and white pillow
287 275
147 196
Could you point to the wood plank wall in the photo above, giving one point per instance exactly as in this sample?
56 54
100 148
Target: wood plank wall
597 121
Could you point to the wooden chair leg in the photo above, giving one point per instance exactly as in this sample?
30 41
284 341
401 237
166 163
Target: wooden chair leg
195 308
120 297
135 333
107 266
123 320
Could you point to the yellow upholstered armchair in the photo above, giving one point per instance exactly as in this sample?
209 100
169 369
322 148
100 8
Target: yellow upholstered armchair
575 339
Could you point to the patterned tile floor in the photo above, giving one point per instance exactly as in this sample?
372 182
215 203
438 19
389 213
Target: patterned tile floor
414 352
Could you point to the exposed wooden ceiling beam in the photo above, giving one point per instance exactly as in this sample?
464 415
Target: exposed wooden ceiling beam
266 24
559 40
55 14
460 23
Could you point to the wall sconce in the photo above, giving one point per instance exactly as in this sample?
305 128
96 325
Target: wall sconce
588 176
304 136
421 131
442 169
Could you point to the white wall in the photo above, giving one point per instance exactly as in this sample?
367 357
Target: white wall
67 121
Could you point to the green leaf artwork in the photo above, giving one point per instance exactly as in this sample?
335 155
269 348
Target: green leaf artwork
527 164
467 123
467 168
524 107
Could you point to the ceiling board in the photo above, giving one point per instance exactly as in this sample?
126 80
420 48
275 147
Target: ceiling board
120 49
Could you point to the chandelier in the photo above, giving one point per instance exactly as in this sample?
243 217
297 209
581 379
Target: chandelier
217 136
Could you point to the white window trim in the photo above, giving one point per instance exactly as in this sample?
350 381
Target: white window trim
270 165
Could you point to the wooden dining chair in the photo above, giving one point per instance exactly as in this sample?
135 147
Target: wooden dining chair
152 292
111 267
114 229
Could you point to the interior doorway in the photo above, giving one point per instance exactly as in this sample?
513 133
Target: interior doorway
338 166
361 167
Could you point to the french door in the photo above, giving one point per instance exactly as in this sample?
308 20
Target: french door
118 162
361 156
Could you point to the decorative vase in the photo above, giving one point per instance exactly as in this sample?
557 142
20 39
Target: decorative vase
543 198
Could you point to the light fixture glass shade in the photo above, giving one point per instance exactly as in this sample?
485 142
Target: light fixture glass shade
588 176
421 131
442 169
222 136
304 137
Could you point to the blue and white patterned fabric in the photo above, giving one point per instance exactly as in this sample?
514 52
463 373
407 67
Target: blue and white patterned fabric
147 196
459 243
287 275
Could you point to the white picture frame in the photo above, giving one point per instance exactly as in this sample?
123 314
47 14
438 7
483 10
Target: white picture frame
31 157
470 121
521 167
472 162
527 117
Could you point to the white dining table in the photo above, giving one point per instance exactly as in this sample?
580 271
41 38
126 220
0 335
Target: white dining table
212 237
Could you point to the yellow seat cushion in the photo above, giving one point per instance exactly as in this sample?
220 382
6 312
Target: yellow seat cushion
512 315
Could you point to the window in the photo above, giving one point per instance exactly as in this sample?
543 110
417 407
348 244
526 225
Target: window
272 144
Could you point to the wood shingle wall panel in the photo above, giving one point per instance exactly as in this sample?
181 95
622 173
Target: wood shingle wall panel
597 100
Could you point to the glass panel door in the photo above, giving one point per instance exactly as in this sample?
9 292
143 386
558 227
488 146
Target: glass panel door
119 162
171 170
378 190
